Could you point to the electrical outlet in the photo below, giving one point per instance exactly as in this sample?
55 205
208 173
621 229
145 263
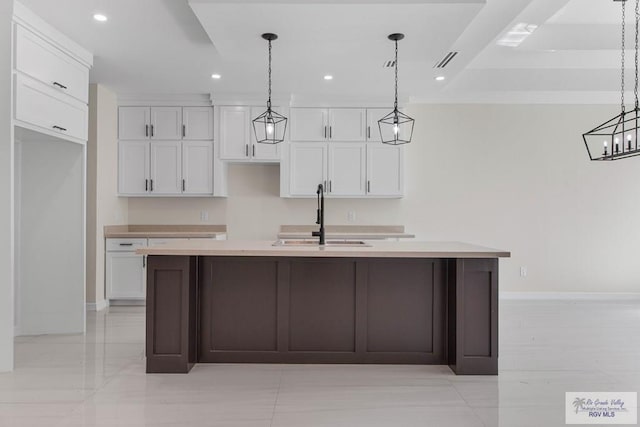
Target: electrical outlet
351 216
523 271
204 216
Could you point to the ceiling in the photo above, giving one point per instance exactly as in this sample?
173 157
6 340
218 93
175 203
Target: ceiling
567 53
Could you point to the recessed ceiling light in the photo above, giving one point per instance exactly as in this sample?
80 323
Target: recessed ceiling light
440 78
100 17
328 77
215 76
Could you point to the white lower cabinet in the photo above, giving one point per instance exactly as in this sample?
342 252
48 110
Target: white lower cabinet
125 271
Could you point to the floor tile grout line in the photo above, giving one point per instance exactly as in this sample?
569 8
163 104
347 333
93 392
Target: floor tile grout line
275 403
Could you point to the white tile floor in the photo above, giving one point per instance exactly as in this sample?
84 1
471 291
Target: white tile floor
547 348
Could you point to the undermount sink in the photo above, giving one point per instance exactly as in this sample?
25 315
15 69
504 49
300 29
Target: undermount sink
339 243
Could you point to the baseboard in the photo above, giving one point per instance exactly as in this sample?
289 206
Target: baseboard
101 305
568 296
127 302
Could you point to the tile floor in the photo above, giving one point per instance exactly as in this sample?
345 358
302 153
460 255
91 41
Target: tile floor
547 348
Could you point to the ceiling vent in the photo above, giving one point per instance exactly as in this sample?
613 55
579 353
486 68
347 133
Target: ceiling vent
446 60
389 64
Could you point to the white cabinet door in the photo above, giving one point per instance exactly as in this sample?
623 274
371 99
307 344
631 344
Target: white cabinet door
133 167
48 64
309 124
125 275
347 169
307 167
385 168
166 123
267 152
197 167
234 133
347 124
373 115
197 123
166 167
134 122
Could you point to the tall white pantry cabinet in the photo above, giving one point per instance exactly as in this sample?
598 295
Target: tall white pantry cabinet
165 151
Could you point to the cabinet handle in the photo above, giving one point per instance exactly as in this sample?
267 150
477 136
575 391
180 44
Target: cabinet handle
324 185
368 186
325 132
369 132
152 131
59 128
184 131
246 150
253 152
126 244
330 132
151 181
144 261
146 185
146 130
183 185
330 190
60 85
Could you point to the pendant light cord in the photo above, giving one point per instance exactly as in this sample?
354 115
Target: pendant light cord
624 2
395 103
269 100
636 47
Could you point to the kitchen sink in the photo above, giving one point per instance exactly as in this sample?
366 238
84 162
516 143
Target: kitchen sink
332 243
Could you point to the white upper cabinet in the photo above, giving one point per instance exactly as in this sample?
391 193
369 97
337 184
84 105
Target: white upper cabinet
166 123
197 173
166 167
385 167
309 124
308 167
347 124
41 60
134 123
234 133
133 167
262 151
197 123
373 115
347 169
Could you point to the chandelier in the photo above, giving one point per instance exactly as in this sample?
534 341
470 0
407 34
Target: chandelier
618 138
270 127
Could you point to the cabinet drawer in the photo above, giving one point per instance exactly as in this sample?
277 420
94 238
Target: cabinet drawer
40 105
44 62
125 245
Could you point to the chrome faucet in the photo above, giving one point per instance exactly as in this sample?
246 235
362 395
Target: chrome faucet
320 215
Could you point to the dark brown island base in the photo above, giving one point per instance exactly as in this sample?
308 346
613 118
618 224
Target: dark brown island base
393 302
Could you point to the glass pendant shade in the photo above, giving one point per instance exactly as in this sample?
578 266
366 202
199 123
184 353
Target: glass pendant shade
396 128
270 127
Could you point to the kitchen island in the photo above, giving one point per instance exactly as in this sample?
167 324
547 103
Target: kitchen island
387 302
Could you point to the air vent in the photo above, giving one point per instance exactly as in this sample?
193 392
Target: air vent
446 60
389 64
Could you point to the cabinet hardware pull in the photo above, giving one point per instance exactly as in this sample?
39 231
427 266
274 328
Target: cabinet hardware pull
126 244
152 130
330 190
246 150
151 181
369 132
254 150
330 132
184 131
325 131
144 261
146 130
324 185
59 128
183 185
146 185
368 186
60 85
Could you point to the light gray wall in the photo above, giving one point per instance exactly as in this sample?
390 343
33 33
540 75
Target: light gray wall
103 205
6 191
515 177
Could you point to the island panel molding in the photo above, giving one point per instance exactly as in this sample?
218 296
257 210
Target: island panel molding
305 309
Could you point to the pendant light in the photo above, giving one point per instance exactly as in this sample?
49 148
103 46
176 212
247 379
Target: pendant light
618 138
396 127
270 127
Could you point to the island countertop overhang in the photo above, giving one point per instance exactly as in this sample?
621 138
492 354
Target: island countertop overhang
266 248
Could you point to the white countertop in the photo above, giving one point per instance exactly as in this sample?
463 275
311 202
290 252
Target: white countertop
383 249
